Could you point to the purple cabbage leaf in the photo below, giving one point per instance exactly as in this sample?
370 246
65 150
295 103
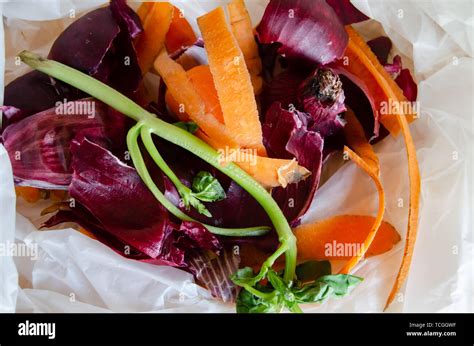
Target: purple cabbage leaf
309 32
104 187
39 146
286 134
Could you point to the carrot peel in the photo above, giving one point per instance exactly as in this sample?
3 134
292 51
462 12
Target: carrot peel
152 39
231 78
183 91
180 33
355 137
362 66
242 29
381 208
349 231
413 213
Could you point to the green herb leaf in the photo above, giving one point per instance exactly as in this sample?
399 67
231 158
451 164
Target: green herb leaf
189 126
249 303
243 276
201 208
285 292
325 287
277 282
311 270
207 188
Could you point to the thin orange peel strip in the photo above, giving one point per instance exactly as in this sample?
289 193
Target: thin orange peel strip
183 91
372 173
355 137
152 39
232 81
314 239
242 29
413 211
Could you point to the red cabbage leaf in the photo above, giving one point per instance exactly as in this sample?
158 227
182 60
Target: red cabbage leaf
286 134
360 102
346 12
381 46
100 44
214 273
308 31
406 82
34 92
39 146
122 210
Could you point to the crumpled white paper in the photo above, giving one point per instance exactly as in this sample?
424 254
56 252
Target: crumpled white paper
73 273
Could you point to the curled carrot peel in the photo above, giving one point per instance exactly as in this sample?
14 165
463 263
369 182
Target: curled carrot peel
364 157
365 69
152 39
232 81
87 233
413 213
355 137
242 29
362 66
321 240
378 219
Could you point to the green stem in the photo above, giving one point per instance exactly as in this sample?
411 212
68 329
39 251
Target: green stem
156 156
176 136
296 308
184 192
260 294
139 163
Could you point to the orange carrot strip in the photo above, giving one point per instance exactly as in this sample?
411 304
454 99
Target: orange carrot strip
232 81
144 9
355 137
242 29
413 213
362 66
378 220
175 108
58 195
180 33
312 240
181 88
29 194
201 78
270 172
349 230
152 39
187 61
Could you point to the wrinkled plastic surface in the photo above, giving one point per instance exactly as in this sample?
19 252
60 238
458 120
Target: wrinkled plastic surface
73 273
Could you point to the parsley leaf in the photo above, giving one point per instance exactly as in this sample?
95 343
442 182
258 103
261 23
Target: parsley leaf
207 188
325 287
311 270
